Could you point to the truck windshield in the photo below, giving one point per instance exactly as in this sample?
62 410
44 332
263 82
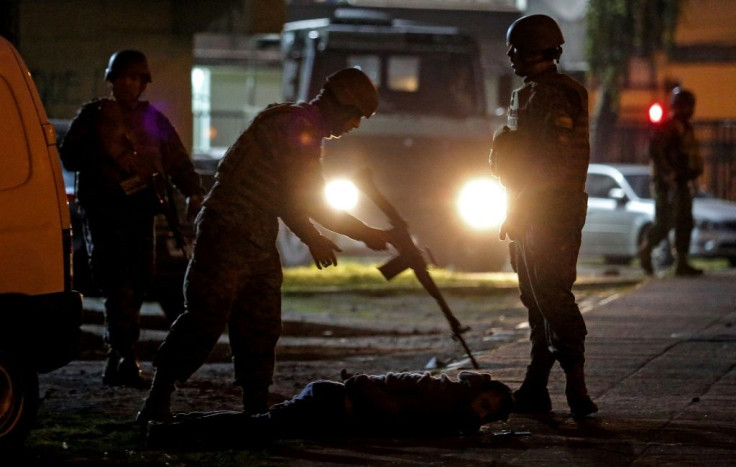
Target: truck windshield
421 84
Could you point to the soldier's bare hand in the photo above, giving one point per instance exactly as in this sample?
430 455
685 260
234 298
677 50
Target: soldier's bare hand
377 239
323 252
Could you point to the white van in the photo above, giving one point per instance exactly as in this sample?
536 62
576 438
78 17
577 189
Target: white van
40 314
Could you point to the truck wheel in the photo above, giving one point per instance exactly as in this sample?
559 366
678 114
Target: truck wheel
18 401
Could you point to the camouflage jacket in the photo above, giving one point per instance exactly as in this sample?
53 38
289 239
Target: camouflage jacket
111 148
548 142
674 153
273 170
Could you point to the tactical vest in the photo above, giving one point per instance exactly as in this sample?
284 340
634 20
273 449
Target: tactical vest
559 164
125 147
675 148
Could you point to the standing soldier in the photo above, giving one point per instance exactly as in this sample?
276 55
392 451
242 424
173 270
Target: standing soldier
676 163
122 147
542 157
234 277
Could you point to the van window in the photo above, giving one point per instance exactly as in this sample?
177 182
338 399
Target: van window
15 162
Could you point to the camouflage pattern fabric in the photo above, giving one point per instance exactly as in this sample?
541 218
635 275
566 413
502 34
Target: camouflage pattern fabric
234 277
676 162
235 284
108 146
548 120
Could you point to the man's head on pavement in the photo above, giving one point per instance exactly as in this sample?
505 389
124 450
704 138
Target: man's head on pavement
128 74
535 43
347 96
491 399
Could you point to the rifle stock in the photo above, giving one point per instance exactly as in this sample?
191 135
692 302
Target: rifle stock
410 256
394 267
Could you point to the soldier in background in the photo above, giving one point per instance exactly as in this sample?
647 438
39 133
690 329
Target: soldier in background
542 158
676 163
234 277
123 149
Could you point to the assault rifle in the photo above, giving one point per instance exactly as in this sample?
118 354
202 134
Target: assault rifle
409 255
164 199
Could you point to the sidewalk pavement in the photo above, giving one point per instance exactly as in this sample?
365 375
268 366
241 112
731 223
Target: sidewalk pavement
661 365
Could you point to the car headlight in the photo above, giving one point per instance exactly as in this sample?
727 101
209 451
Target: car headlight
482 203
341 194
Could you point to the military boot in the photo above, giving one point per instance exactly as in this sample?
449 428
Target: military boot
123 369
130 373
157 406
684 268
645 257
110 373
533 396
581 405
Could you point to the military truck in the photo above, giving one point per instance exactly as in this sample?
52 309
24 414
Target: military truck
428 143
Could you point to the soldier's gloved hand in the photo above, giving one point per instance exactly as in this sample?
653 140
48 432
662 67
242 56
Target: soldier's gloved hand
194 204
376 239
323 252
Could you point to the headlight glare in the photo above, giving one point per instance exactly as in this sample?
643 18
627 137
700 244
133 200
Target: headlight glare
482 203
341 194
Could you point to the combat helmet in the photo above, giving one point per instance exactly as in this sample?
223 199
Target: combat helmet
534 33
125 60
681 96
350 86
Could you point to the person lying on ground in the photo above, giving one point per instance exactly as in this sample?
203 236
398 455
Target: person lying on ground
394 404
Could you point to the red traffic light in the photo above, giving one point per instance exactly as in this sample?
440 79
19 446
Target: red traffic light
656 112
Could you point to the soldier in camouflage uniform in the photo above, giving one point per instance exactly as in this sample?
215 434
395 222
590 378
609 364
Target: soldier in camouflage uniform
676 163
394 404
542 157
234 278
119 146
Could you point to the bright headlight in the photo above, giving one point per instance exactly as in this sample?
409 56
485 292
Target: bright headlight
482 203
341 194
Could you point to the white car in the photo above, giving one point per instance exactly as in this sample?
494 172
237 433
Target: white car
621 210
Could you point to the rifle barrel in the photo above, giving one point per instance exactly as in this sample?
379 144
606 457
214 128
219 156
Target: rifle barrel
410 255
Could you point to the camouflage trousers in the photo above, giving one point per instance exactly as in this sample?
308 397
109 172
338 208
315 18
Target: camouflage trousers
121 249
546 261
673 210
230 282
